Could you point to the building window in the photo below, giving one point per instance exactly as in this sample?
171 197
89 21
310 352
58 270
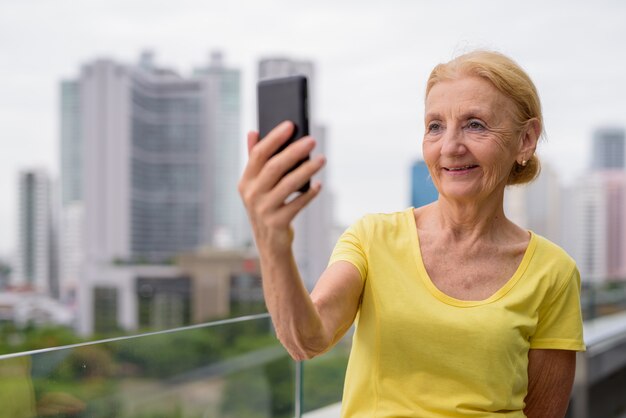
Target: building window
105 310
164 302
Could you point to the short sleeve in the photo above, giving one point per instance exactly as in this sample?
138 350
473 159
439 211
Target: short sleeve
351 247
560 324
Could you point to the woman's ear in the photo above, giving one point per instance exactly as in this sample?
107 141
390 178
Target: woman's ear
529 138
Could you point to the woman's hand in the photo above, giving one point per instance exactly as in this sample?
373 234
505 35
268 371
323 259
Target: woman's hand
265 186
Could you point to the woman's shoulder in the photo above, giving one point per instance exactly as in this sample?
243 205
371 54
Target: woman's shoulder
548 253
387 219
387 231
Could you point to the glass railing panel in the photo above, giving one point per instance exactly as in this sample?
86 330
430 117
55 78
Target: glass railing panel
231 369
323 377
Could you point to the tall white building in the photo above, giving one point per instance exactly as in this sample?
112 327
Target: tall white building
153 156
222 109
71 221
71 250
585 237
70 142
35 264
157 154
313 241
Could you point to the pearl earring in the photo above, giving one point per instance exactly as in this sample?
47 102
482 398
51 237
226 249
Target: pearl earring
524 162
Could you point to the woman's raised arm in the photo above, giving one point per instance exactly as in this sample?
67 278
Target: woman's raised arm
306 328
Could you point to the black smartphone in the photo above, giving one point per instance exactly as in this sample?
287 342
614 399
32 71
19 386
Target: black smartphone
281 99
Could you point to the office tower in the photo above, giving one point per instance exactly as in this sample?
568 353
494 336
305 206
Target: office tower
423 190
159 159
313 226
537 206
608 165
142 168
223 109
71 219
608 149
585 237
71 145
615 192
595 232
71 250
595 215
34 268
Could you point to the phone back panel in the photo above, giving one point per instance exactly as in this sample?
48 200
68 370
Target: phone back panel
282 99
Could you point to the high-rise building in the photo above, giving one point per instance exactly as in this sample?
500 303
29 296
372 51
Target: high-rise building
596 225
71 221
585 237
595 213
158 159
608 151
158 154
71 251
71 144
615 190
222 111
35 265
423 190
313 226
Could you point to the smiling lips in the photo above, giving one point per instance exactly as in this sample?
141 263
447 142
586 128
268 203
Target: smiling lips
461 168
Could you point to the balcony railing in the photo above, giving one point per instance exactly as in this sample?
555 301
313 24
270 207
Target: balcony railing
233 368
236 368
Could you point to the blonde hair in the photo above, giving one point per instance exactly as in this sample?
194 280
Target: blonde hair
512 81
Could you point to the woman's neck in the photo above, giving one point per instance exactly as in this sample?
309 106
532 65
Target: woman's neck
477 219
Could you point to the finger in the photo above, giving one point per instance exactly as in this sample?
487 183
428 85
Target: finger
271 143
264 148
291 209
282 163
294 181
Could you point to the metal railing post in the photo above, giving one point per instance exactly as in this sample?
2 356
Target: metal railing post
298 390
580 392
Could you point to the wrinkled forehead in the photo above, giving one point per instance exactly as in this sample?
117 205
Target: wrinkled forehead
470 94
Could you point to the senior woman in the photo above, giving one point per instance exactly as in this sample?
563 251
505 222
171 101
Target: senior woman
459 312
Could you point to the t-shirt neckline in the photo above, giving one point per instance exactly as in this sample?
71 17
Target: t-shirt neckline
444 297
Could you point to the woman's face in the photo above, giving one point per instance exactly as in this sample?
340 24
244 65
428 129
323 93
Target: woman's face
470 141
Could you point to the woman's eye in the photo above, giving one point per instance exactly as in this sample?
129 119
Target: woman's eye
475 125
434 126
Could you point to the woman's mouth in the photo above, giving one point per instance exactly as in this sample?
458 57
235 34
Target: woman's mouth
461 168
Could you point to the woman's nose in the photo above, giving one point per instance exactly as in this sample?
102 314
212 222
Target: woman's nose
453 143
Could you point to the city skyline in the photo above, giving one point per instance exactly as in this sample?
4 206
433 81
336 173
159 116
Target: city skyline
372 63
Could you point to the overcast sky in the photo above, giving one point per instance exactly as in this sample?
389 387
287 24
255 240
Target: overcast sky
372 60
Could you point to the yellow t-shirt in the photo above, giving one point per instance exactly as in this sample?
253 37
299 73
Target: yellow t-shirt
418 352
